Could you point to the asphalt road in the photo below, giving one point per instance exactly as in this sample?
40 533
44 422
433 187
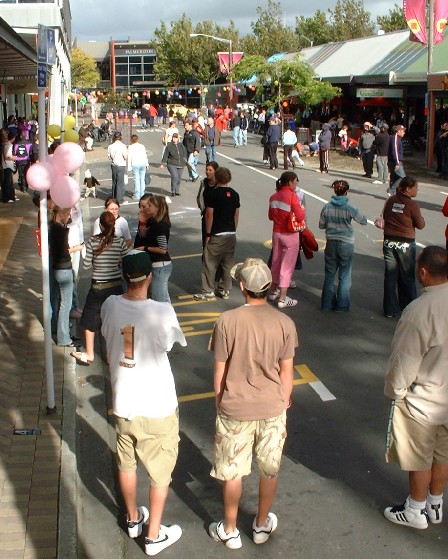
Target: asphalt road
334 482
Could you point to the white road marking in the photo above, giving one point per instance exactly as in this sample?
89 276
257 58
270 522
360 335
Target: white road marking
322 391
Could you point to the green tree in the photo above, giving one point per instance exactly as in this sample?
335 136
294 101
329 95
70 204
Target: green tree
181 58
270 35
285 77
83 70
314 30
394 20
350 20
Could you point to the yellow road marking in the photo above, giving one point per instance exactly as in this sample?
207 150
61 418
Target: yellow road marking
198 333
201 321
192 302
306 376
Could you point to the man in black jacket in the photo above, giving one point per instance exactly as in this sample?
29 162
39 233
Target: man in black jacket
192 143
395 158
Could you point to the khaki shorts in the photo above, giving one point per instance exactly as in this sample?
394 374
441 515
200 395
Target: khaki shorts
153 441
411 444
236 440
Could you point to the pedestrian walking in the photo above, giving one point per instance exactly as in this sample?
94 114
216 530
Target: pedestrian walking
395 158
175 159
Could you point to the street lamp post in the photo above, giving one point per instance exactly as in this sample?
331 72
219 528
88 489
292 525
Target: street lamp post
222 40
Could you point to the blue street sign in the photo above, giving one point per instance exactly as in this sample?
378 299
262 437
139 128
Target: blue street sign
41 75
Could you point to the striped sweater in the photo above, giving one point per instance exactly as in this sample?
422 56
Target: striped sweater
336 218
106 266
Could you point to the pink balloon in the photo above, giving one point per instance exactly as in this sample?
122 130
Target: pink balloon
40 176
67 158
65 191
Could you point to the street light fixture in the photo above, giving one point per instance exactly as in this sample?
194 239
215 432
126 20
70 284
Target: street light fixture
222 40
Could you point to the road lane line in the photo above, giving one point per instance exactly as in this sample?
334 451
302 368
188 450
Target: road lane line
322 391
198 333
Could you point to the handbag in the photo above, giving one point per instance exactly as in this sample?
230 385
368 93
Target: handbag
147 178
308 243
294 225
264 140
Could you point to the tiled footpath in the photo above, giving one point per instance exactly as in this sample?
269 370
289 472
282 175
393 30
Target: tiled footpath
29 464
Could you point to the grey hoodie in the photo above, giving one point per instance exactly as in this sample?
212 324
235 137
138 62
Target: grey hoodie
325 137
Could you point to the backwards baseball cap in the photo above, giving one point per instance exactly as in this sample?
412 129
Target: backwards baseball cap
400 127
136 266
253 273
117 134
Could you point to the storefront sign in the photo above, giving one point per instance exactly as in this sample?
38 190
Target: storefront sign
368 92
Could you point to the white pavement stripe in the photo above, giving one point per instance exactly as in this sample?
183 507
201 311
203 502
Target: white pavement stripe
322 391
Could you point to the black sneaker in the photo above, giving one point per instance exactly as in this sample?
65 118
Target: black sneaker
223 293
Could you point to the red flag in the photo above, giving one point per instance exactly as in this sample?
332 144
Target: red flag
224 58
440 19
414 12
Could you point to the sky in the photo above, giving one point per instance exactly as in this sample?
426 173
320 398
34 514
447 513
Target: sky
136 19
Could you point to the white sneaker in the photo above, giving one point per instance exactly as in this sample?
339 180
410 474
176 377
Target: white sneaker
435 512
260 534
135 527
377 182
217 532
167 536
288 302
404 515
273 295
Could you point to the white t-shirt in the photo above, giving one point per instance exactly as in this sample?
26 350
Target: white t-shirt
121 228
138 336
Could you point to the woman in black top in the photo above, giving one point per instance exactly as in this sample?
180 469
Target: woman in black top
61 268
174 157
153 237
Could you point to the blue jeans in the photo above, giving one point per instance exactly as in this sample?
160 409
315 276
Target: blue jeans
243 137
236 135
159 283
64 295
210 153
118 190
395 177
192 162
338 256
138 172
399 275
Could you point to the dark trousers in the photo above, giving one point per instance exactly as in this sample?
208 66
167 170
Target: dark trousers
273 161
118 189
7 186
399 275
323 160
367 162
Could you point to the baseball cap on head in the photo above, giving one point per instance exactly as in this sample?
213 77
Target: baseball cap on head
136 266
117 134
253 273
400 127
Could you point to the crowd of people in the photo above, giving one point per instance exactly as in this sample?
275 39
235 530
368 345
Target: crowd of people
254 344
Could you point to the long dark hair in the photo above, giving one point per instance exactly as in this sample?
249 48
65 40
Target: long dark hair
285 179
106 237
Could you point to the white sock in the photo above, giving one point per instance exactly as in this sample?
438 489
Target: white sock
434 499
418 505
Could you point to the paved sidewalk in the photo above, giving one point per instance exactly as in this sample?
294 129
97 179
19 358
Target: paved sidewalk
29 464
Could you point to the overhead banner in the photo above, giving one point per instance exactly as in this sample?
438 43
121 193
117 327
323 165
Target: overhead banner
415 14
224 58
440 19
